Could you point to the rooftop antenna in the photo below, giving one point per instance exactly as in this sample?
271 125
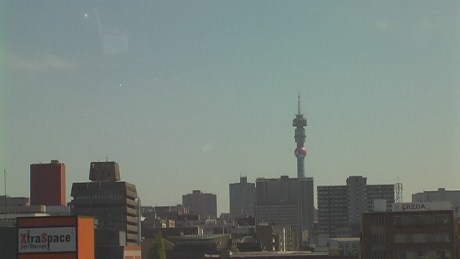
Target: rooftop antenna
298 103
399 192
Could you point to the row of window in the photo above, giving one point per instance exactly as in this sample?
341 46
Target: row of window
422 238
433 219
100 197
439 254
379 238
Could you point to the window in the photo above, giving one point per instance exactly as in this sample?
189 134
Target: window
378 255
378 238
419 238
378 220
400 255
421 254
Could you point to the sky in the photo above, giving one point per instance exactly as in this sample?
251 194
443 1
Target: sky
192 95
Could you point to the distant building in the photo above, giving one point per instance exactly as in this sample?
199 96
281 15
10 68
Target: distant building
242 199
287 205
199 246
268 240
345 246
47 184
380 192
413 231
115 206
163 212
440 195
332 210
202 204
12 208
340 207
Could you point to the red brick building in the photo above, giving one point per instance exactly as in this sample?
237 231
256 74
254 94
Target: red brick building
408 234
47 184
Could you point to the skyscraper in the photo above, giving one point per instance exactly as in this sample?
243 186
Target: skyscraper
115 206
340 207
286 204
202 204
300 152
242 198
47 184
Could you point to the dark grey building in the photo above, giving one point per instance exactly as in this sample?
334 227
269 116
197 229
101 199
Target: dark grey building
113 203
286 204
242 199
340 208
202 204
332 209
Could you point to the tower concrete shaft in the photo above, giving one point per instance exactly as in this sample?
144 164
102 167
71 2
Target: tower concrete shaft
300 152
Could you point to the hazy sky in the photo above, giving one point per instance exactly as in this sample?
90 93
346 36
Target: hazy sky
191 95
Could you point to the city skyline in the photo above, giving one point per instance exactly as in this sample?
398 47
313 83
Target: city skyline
192 95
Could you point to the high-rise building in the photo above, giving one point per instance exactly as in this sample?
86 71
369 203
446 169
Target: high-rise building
385 192
242 198
286 204
47 184
202 204
440 195
356 190
340 208
332 209
115 206
300 152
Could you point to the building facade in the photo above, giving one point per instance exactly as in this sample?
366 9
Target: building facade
340 207
47 184
332 210
242 199
115 206
380 192
440 195
287 205
202 204
413 233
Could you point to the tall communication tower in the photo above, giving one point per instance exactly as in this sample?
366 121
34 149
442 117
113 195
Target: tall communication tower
300 152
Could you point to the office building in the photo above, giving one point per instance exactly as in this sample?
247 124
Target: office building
340 207
47 184
411 230
202 204
333 210
440 195
115 206
287 205
242 199
380 192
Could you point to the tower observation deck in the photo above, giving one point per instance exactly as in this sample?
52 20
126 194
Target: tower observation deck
300 152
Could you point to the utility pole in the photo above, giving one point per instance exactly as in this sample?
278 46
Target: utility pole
4 198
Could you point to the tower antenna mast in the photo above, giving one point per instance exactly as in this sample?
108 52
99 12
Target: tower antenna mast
298 104
300 122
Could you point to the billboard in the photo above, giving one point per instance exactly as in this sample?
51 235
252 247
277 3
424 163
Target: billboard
46 240
422 206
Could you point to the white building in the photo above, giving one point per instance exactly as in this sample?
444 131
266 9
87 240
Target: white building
440 195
